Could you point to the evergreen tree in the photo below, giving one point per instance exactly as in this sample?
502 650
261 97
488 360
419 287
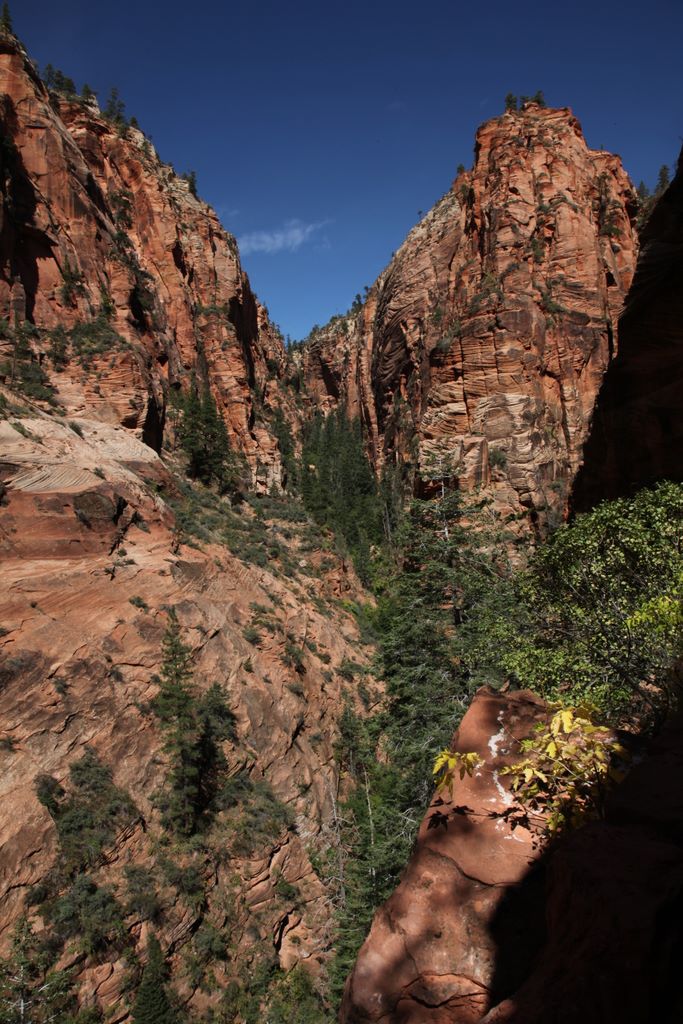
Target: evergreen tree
175 707
87 93
339 487
152 1005
31 991
115 108
204 438
6 20
663 180
194 728
643 192
511 101
191 178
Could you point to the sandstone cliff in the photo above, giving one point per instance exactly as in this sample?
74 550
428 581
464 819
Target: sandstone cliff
479 351
117 285
99 237
92 557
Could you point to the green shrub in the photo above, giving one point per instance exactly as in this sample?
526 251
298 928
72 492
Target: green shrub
88 817
88 913
497 458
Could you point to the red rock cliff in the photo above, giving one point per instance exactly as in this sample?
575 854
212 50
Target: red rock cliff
94 227
481 348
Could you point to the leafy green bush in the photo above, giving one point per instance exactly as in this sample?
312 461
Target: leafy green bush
597 607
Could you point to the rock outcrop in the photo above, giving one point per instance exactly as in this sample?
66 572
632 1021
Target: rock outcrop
480 350
486 928
432 952
99 238
637 433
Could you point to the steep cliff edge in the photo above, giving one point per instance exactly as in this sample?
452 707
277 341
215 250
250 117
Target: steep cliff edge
637 436
102 240
479 351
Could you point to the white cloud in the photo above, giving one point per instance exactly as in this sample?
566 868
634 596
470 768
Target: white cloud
290 237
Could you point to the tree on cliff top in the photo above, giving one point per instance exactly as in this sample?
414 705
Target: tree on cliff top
152 1005
6 20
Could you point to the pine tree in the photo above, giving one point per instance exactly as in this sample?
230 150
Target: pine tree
194 728
663 180
115 108
175 707
191 178
511 101
204 438
152 1005
6 20
31 991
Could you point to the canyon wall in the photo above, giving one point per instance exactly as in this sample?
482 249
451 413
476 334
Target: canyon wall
480 350
117 286
99 237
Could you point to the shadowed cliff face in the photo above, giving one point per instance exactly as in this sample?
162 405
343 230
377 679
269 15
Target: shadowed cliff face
94 227
637 433
481 348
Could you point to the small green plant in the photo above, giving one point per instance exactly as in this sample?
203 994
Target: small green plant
139 602
72 283
449 763
497 458
571 765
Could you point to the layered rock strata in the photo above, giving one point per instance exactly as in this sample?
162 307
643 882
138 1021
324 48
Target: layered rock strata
91 558
97 234
479 351
432 955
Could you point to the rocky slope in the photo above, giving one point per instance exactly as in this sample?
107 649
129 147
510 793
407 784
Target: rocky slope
479 351
92 558
117 285
636 438
99 237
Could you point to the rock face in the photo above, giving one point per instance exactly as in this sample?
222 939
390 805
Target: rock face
485 928
481 348
96 233
431 955
637 434
90 559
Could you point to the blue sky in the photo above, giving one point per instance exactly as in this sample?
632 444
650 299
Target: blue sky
318 131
